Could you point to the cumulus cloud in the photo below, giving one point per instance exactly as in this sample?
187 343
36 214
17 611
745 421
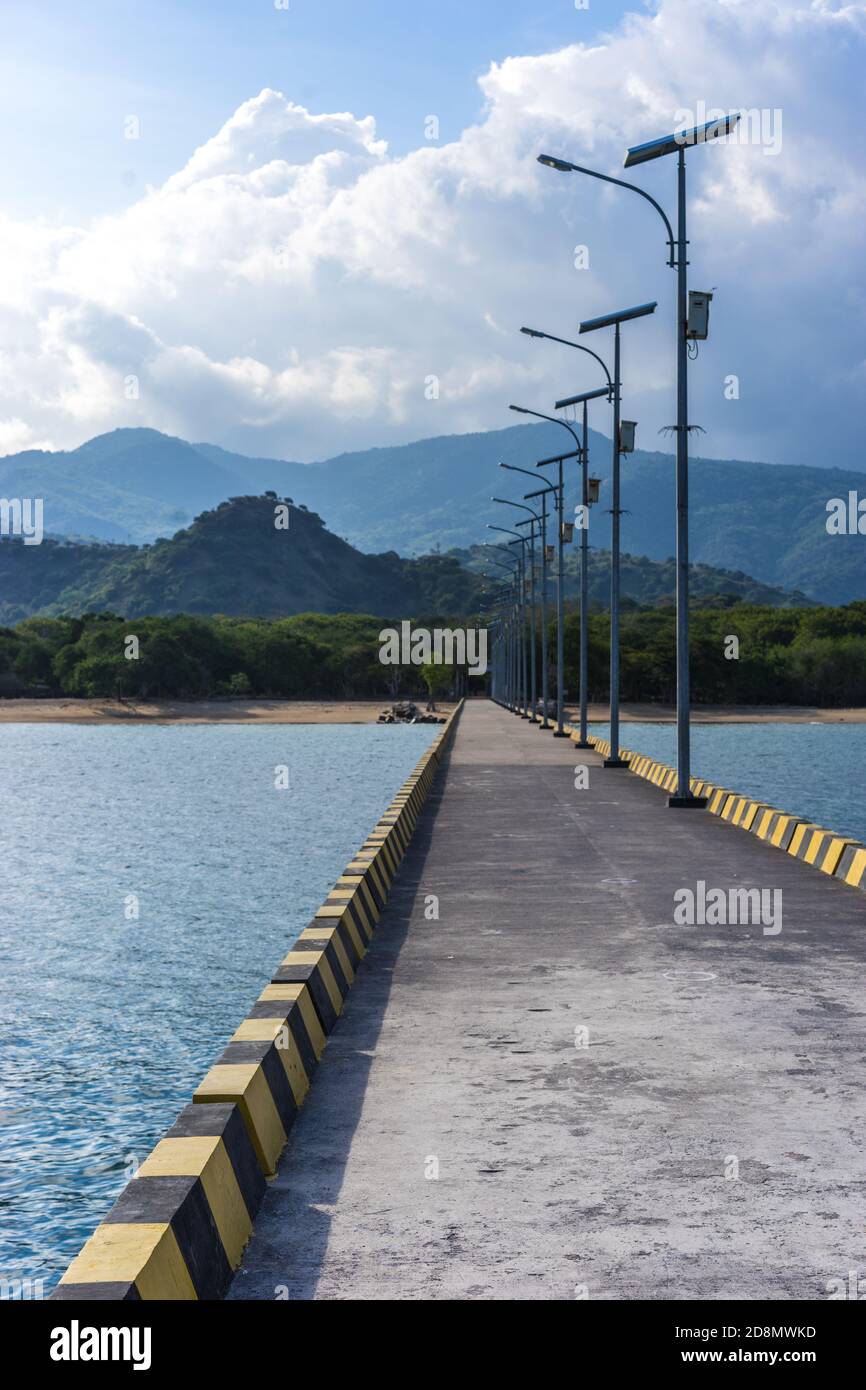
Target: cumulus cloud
293 289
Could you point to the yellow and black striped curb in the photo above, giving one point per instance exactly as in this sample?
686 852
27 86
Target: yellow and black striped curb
178 1229
836 855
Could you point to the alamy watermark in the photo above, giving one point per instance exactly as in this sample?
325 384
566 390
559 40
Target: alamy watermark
728 907
22 516
422 646
846 516
757 126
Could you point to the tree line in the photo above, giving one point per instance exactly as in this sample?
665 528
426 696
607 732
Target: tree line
780 656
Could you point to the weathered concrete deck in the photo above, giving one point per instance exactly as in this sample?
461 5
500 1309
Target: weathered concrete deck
561 1167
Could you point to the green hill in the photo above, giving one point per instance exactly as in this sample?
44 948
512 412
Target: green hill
234 560
231 560
766 520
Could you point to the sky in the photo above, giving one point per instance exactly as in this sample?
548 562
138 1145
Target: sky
299 229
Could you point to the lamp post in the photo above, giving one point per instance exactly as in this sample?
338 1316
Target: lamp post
521 606
513 468
641 154
559 732
535 518
512 655
583 740
498 665
589 326
545 663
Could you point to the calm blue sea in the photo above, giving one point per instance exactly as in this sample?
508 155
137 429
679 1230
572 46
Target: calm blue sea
107 1022
816 770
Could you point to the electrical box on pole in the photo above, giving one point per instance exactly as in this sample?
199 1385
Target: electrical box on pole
593 490
626 436
567 532
698 322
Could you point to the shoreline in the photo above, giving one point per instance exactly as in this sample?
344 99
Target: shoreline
86 711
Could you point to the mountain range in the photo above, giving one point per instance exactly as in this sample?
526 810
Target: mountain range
764 520
235 560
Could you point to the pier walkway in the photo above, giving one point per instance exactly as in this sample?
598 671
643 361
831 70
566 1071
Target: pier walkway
554 1092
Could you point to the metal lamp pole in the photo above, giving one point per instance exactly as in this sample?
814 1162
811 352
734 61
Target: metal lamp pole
560 637
584 399
506 502
521 605
542 523
640 154
589 326
514 660
582 741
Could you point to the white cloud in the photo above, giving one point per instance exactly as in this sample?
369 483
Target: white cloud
291 288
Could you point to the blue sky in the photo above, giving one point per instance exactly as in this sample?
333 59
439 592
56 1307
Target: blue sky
281 261
70 74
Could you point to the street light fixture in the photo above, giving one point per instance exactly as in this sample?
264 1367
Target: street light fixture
521 607
545 678
675 143
534 518
559 732
589 496
616 320
509 663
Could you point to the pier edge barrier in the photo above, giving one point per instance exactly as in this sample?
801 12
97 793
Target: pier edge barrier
839 856
179 1227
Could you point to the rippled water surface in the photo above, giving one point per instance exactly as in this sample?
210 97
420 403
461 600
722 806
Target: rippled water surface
107 1022
816 770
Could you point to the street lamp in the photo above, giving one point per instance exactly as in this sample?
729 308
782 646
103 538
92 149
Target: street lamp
521 605
542 492
545 678
498 675
512 662
520 506
583 399
641 154
559 732
583 740
616 319
500 659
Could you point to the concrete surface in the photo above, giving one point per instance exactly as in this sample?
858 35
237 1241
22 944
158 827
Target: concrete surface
706 1143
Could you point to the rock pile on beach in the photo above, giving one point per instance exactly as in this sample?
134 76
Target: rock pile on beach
408 713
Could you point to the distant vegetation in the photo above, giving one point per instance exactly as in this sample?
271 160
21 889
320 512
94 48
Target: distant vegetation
311 656
805 656
811 656
767 520
233 560
653 582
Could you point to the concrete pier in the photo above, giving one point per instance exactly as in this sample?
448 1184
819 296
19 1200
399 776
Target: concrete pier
551 1091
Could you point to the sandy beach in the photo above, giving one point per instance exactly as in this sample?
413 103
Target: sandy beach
69 711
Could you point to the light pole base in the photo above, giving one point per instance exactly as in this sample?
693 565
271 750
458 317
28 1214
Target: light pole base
688 803
582 743
615 762
560 733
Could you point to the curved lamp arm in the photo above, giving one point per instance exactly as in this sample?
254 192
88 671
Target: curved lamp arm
564 166
535 333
